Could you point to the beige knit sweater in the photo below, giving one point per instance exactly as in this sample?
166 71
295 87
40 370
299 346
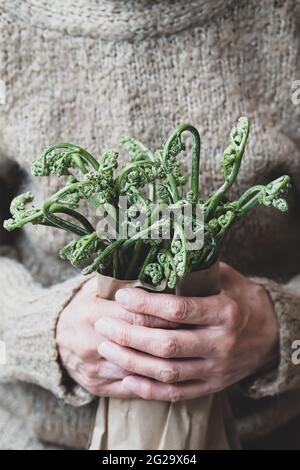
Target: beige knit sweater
87 71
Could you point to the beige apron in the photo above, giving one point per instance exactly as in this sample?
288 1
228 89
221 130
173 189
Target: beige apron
203 423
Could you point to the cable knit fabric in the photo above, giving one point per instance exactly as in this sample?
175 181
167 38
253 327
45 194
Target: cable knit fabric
89 71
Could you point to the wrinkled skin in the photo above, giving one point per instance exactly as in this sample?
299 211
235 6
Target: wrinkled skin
165 347
78 341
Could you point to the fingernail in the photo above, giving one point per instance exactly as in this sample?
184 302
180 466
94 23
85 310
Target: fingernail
123 296
131 385
105 348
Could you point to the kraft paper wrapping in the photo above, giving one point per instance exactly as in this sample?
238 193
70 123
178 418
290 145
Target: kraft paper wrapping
203 423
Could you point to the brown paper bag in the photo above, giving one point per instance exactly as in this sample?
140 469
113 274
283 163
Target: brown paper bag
203 423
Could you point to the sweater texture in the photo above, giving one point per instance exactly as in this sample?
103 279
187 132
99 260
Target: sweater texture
88 71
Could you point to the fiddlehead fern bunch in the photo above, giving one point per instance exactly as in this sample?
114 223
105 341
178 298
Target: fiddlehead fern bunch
157 250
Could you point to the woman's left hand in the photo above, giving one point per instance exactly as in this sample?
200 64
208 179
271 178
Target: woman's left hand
224 338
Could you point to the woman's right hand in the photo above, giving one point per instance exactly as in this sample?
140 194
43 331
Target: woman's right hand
78 341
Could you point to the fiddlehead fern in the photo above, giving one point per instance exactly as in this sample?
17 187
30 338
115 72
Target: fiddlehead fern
81 249
273 194
22 214
230 164
69 197
170 166
166 261
58 159
136 149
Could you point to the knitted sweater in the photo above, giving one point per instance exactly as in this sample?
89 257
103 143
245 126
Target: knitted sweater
91 70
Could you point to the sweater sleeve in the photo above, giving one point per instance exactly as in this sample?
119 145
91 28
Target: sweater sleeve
28 317
286 375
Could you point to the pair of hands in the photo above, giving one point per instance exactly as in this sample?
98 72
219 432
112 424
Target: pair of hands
165 347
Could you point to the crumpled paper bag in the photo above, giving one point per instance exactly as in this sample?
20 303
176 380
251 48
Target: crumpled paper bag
203 423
